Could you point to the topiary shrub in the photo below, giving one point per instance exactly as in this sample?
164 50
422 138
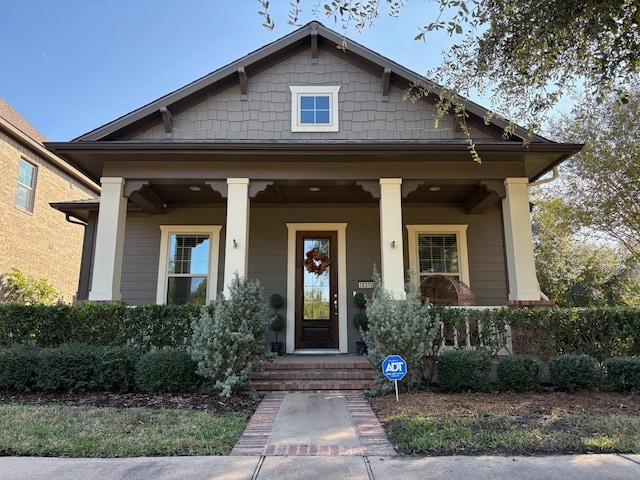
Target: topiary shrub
117 369
361 322
167 371
276 301
360 300
623 373
570 372
71 367
519 373
18 366
229 344
464 370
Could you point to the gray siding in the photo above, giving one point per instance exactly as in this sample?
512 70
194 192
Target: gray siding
266 114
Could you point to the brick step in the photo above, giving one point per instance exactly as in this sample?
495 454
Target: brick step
298 385
292 373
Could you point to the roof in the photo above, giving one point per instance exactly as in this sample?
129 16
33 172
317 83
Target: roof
114 137
17 127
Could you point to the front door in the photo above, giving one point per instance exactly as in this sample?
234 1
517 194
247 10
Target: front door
316 290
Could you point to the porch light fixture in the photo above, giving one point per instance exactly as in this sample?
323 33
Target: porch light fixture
235 244
435 189
314 189
195 188
393 244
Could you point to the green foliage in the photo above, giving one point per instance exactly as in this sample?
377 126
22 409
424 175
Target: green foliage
116 369
276 300
166 371
360 321
571 371
401 327
623 373
16 287
228 344
276 322
464 370
360 300
18 366
602 182
71 367
519 373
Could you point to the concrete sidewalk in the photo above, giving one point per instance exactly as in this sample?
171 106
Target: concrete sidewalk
572 467
321 435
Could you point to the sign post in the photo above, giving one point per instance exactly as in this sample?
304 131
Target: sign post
394 368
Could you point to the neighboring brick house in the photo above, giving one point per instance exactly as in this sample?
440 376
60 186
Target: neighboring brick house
34 237
314 152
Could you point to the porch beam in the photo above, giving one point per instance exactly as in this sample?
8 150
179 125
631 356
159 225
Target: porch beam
391 239
480 201
237 232
148 200
523 282
107 268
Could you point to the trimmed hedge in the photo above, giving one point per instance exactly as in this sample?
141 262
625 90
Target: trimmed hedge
464 370
167 371
67 368
18 367
624 373
519 373
570 372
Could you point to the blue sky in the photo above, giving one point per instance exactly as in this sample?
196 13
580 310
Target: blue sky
69 66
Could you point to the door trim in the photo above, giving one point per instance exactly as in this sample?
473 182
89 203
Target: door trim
341 229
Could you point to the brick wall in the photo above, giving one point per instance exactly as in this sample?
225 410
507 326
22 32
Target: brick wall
41 243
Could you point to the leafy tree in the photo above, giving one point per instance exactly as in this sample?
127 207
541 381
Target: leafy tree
602 182
576 271
19 288
528 53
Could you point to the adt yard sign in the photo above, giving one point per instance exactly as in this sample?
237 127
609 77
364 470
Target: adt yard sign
394 367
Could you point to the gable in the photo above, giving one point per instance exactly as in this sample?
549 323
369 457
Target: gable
264 111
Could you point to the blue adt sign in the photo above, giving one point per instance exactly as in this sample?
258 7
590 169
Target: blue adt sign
394 367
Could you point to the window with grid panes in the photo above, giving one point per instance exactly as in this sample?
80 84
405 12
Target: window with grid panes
438 254
26 185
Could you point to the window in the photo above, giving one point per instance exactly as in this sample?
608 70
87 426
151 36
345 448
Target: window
438 250
188 264
314 109
26 185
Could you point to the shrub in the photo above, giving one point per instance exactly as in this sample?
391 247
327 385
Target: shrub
18 366
229 344
401 327
519 373
67 368
276 301
19 288
464 370
166 371
570 372
623 373
360 300
116 369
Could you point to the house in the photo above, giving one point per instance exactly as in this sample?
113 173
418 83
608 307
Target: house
301 165
35 238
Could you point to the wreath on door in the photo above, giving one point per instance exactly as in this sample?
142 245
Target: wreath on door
316 261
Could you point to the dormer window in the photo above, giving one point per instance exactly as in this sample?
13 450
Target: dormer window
314 109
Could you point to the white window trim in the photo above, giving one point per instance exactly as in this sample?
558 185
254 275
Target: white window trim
461 236
305 90
214 249
31 188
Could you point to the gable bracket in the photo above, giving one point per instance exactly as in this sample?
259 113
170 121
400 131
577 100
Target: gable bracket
142 194
243 83
314 45
371 186
487 194
386 84
167 120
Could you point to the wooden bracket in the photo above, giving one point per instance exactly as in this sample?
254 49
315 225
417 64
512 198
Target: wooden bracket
386 84
243 83
167 120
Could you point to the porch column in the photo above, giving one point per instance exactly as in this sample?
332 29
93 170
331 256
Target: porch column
237 234
107 263
391 244
523 282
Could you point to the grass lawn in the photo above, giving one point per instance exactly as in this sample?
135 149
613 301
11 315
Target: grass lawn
84 431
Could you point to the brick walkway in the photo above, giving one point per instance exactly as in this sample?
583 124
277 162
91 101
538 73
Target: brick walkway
255 438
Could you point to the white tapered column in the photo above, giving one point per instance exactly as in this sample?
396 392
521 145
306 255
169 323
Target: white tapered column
237 232
391 245
521 267
107 263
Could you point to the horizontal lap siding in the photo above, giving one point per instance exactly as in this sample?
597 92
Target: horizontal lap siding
485 241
